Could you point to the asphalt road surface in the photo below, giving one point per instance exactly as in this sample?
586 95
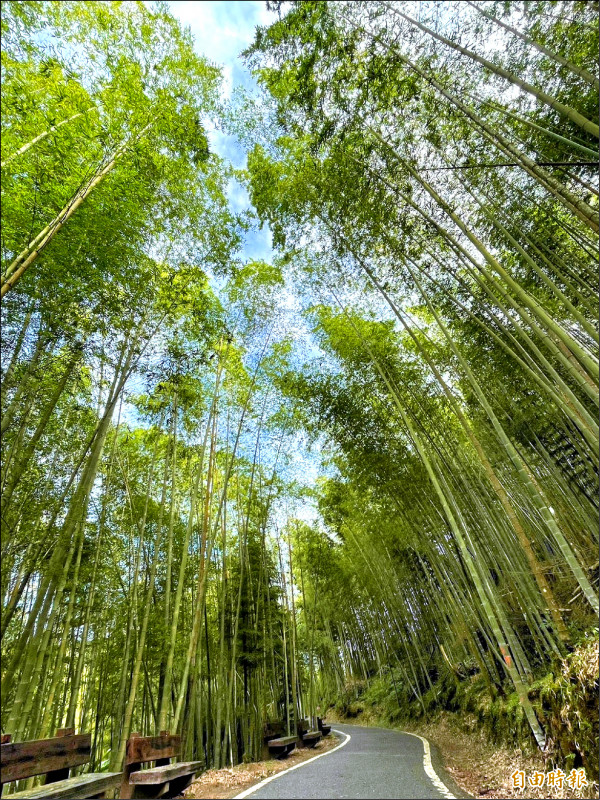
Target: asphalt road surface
375 762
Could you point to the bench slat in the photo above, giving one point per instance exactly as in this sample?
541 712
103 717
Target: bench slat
150 748
166 773
283 746
282 741
72 788
26 759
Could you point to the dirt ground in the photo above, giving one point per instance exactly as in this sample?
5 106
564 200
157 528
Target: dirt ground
484 770
228 782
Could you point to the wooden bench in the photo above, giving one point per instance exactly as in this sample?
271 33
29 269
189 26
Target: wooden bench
54 758
309 738
323 727
282 746
164 779
278 744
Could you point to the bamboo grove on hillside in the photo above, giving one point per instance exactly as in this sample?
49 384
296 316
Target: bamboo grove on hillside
428 173
461 191
139 469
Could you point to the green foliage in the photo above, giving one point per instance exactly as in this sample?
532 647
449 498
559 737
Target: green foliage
427 326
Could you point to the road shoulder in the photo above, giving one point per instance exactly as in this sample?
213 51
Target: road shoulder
223 784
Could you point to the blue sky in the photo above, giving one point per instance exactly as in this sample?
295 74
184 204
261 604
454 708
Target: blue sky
221 30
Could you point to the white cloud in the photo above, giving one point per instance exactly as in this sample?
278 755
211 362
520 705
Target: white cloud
222 29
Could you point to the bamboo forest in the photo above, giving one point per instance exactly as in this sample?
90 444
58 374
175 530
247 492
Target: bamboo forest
300 377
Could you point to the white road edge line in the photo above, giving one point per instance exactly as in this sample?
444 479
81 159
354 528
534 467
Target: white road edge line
253 789
428 767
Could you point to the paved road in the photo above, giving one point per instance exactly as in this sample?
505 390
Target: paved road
375 762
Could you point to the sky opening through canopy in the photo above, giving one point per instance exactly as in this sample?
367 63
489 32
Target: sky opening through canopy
222 29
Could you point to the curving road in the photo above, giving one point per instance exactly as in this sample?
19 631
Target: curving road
374 762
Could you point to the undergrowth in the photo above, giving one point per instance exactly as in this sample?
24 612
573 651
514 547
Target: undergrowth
565 701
